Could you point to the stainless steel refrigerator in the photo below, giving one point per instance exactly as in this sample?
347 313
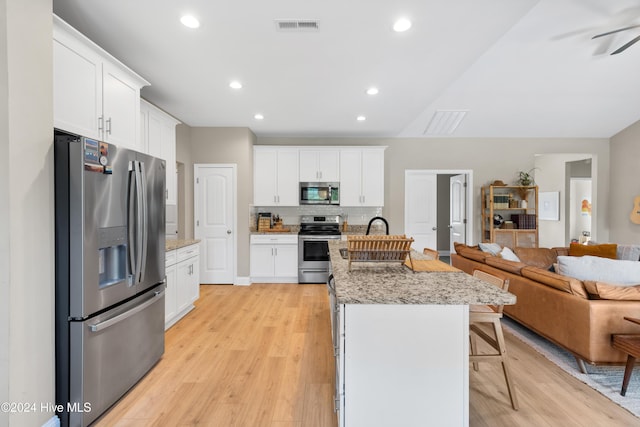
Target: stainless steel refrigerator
110 272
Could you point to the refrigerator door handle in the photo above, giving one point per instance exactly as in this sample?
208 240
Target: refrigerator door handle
139 221
119 318
144 232
132 221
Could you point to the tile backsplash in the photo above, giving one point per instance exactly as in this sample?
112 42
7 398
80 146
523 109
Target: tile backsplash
291 214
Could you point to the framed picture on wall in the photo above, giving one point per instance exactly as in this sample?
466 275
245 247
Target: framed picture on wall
549 209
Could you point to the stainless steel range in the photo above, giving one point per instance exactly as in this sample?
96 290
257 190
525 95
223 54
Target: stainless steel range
313 247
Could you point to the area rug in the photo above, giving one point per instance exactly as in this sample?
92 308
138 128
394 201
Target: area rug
605 379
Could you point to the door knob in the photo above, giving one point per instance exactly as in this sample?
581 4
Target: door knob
434 228
228 231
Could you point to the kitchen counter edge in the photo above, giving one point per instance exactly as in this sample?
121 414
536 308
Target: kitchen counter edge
173 244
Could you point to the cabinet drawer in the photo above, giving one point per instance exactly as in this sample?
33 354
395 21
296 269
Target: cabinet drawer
266 239
188 252
170 258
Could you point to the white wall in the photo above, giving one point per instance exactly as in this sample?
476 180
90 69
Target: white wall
27 212
625 187
580 189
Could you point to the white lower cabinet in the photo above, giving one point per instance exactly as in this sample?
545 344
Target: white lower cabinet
274 258
183 282
388 373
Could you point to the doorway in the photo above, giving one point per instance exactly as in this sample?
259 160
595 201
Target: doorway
215 207
580 201
438 207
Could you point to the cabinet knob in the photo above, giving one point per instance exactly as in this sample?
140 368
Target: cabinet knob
228 231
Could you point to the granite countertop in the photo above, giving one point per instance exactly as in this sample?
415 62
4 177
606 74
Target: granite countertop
272 232
393 283
172 244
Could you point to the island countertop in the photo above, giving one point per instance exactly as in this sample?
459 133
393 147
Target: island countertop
393 283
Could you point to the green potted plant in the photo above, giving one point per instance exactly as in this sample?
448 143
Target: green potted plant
525 179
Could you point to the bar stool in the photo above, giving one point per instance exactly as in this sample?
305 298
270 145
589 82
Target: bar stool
479 314
431 252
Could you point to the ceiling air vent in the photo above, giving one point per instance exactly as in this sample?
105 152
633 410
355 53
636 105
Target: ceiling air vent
445 122
297 25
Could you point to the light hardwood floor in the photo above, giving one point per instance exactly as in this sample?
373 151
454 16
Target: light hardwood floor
261 356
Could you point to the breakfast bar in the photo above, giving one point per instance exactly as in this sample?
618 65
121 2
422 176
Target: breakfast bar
401 341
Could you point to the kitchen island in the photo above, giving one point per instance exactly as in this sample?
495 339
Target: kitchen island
401 341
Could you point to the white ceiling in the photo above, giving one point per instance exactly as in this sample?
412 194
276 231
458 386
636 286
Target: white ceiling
521 68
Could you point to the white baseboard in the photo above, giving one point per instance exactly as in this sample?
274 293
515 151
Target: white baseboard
242 281
52 422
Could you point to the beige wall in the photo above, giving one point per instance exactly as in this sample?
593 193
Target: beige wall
625 187
490 159
185 191
222 145
5 247
27 213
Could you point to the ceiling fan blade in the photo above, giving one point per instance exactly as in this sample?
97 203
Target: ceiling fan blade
625 46
615 31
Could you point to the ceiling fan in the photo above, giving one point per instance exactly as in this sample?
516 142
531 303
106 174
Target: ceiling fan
626 45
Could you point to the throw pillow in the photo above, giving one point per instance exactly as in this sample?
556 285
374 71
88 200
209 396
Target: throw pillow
628 252
508 254
604 250
537 257
613 271
492 248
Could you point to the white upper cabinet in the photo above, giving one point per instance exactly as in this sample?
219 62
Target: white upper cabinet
94 94
319 165
275 176
158 130
362 176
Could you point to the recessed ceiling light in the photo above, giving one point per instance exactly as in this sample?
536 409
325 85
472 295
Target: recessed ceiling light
258 116
401 25
235 85
372 91
361 118
190 21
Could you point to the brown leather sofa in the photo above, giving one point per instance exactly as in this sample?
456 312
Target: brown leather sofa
555 306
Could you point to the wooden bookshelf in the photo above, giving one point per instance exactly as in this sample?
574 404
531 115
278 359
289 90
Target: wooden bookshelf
507 201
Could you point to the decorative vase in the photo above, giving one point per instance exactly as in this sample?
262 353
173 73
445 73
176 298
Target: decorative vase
523 204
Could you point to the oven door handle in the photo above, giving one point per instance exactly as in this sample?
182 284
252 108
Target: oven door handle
316 237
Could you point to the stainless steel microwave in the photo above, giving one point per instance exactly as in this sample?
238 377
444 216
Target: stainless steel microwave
319 193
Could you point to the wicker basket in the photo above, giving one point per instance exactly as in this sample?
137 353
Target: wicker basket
394 248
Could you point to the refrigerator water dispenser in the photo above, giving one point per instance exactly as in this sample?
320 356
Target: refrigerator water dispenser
112 256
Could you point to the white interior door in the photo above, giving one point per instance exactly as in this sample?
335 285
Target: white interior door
457 210
420 209
215 221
